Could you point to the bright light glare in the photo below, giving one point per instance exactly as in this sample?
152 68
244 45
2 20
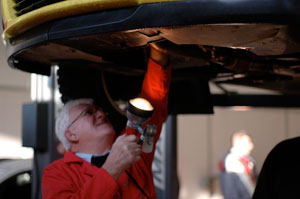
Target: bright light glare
33 87
11 147
40 90
241 108
4 39
141 103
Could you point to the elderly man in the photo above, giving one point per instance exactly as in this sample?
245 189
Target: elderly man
123 170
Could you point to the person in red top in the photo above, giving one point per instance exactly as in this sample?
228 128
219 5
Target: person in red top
237 176
85 131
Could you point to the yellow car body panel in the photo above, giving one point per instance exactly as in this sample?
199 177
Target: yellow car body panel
15 25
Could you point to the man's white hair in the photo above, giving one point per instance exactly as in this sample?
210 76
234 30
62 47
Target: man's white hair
63 120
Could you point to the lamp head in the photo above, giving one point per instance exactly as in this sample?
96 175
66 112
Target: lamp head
139 110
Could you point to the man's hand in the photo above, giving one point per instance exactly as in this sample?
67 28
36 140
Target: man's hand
125 152
159 55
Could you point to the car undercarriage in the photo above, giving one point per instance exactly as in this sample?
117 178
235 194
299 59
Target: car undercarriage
252 43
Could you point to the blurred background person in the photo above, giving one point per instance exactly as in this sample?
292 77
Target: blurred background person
237 169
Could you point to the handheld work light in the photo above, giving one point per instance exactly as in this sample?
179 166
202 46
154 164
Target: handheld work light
139 110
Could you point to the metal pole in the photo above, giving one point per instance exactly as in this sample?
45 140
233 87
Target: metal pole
52 140
172 183
43 158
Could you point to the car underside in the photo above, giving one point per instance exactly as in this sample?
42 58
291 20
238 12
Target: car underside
103 54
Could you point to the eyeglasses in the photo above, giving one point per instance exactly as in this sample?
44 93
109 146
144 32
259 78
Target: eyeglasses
91 109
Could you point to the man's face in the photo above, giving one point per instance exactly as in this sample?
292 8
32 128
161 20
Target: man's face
90 123
244 145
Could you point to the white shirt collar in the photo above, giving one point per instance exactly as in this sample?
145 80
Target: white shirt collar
88 157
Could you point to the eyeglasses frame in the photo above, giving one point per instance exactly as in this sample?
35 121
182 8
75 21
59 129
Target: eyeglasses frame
80 114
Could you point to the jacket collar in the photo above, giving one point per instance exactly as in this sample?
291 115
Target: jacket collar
87 168
70 157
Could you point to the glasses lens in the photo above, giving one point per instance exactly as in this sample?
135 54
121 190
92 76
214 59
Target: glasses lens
81 113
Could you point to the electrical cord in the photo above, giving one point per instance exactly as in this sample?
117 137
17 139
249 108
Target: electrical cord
115 106
138 186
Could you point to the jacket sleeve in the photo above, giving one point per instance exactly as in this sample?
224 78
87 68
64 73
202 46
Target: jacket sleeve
59 183
156 89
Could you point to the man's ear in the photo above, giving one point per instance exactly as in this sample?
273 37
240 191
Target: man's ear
71 136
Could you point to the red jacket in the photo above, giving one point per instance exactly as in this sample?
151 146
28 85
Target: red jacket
73 177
